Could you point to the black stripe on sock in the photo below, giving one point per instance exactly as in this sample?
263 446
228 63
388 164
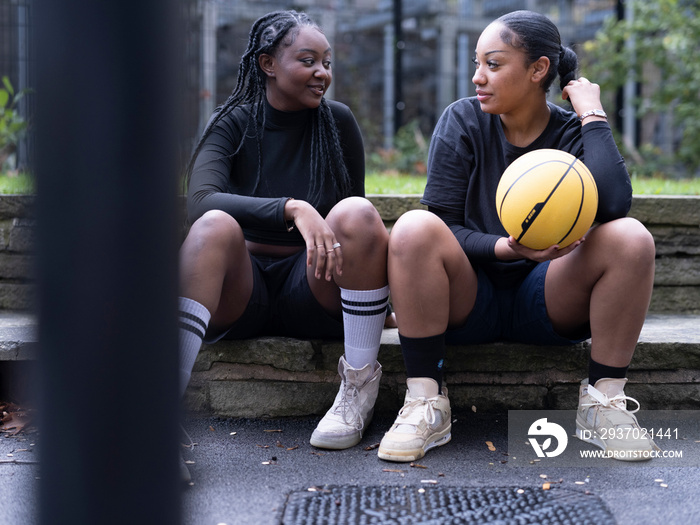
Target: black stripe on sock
365 313
194 318
364 303
193 329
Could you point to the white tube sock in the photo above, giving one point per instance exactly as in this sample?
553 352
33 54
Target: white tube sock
194 319
364 312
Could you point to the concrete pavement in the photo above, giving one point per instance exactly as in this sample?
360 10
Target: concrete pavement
244 471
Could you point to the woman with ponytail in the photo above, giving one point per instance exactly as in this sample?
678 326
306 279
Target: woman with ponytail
282 240
458 278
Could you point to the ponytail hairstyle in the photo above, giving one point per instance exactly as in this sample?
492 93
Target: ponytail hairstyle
266 36
539 37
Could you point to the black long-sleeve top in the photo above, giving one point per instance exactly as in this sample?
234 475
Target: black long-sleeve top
223 176
469 153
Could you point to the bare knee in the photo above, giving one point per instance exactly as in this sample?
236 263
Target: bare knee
627 237
416 232
215 230
623 243
355 221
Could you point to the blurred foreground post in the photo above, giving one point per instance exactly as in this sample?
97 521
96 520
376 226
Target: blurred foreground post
107 233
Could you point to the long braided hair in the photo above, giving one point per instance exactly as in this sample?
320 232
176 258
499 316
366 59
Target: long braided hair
265 37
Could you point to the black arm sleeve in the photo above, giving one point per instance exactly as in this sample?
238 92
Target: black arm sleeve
607 166
209 187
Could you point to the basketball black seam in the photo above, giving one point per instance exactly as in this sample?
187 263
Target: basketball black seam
548 196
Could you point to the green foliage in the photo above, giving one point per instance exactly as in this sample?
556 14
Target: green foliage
409 155
12 125
16 183
393 183
665 60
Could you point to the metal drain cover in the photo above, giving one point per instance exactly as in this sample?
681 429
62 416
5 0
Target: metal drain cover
443 505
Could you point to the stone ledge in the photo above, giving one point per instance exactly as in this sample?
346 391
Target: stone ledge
272 377
275 377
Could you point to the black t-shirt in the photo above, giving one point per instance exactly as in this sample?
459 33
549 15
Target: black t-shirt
223 176
469 153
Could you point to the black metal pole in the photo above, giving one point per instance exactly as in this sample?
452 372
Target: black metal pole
107 235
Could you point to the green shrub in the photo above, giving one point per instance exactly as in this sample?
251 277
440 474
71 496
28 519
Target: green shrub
12 125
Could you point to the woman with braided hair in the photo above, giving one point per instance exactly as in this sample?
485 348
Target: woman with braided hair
282 240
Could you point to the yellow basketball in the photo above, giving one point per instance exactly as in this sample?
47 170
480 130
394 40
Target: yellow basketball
546 197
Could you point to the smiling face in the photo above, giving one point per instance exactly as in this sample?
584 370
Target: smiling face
503 79
300 73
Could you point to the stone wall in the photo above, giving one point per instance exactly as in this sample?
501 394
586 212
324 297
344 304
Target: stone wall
16 240
673 220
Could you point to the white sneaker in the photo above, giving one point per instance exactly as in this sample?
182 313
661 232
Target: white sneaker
603 420
344 423
424 422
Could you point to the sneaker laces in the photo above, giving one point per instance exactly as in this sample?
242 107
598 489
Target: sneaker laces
411 413
187 442
617 402
349 404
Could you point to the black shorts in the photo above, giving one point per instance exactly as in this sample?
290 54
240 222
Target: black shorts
516 314
282 304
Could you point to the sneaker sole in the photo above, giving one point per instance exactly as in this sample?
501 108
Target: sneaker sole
403 456
601 445
334 442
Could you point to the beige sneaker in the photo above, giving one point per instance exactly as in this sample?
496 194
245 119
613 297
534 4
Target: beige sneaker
603 420
424 422
344 423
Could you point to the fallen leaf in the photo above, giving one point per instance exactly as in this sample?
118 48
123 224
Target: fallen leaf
491 447
545 486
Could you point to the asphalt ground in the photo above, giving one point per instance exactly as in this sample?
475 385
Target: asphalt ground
244 471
